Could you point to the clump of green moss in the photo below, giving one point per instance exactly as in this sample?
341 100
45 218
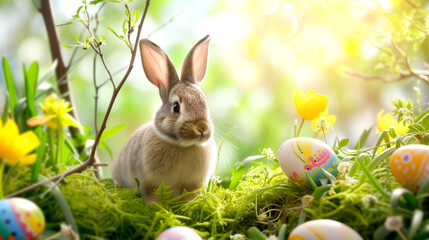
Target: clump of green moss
103 209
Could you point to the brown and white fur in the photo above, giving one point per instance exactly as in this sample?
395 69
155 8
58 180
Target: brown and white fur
178 147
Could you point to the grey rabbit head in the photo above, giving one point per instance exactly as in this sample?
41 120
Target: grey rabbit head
184 117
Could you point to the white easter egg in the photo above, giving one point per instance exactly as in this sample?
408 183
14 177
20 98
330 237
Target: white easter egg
324 229
179 233
410 165
299 155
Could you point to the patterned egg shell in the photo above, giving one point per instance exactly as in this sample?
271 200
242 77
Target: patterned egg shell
20 218
179 233
299 155
324 229
410 166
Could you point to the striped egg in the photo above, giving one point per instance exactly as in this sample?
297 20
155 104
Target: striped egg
323 229
410 166
20 219
300 155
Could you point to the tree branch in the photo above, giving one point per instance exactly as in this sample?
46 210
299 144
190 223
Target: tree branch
91 160
61 71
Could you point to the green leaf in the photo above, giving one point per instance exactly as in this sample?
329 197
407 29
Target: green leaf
425 122
10 84
30 77
425 139
108 133
415 127
5 114
236 176
321 191
392 132
343 143
256 234
94 2
363 138
106 147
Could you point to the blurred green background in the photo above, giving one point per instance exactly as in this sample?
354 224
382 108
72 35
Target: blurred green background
261 50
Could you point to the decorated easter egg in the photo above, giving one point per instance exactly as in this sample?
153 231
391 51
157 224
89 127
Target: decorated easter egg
179 233
321 229
20 219
410 166
300 155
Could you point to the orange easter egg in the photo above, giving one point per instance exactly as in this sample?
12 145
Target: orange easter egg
410 166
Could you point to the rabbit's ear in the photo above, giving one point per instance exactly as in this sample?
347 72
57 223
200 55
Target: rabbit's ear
158 67
195 64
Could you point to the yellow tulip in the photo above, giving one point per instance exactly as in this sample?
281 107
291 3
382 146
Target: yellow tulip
324 122
386 121
15 146
309 105
55 112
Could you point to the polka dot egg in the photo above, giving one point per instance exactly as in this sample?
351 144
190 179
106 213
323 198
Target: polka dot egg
323 229
20 219
300 155
179 233
410 166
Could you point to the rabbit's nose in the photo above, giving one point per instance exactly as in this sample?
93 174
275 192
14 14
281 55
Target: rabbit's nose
203 128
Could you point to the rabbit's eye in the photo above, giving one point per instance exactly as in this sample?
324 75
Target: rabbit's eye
176 107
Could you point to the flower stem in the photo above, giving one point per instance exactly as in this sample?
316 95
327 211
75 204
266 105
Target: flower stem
60 144
2 163
300 127
51 147
324 136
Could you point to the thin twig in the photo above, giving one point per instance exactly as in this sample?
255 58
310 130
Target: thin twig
91 160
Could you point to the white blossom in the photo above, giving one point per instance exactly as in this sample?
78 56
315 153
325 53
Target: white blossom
394 223
237 237
268 153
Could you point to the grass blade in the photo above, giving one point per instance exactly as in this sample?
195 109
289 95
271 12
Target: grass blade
371 179
328 175
380 157
282 233
256 234
311 181
382 137
396 197
62 202
416 222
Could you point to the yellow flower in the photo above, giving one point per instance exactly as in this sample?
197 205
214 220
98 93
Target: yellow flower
15 146
54 111
324 123
309 105
386 121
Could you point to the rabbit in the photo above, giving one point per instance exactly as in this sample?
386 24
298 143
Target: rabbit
178 146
